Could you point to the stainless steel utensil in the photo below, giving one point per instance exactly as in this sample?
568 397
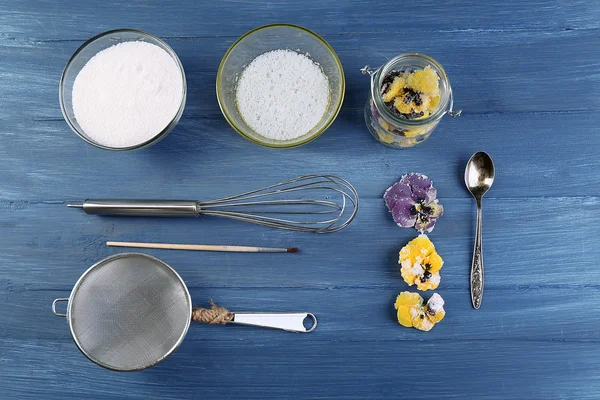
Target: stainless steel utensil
479 177
322 204
130 311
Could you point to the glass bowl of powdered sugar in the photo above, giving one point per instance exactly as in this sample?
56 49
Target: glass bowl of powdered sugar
280 85
122 90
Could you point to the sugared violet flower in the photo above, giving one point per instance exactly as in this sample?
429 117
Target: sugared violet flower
413 202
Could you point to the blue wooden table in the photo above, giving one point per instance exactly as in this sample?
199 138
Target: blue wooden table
526 74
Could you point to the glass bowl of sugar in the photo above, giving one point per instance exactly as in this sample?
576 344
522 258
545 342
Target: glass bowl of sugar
280 85
123 90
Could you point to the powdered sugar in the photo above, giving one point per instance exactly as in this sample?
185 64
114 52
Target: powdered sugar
416 269
436 303
282 94
127 94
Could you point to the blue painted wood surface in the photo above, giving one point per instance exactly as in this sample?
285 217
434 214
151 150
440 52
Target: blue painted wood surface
527 75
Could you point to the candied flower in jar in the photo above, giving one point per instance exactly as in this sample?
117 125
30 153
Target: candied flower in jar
413 202
424 81
420 263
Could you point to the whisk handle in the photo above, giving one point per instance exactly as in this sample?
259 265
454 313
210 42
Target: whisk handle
148 208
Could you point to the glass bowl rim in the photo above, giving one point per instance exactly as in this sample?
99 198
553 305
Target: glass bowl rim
159 135
283 144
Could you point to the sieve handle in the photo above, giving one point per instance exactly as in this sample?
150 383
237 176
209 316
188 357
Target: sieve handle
291 322
151 208
55 302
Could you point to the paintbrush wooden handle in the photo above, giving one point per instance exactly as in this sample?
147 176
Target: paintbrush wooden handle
201 247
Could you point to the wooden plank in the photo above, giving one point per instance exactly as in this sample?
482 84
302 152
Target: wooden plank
308 370
43 20
481 66
48 245
361 315
205 159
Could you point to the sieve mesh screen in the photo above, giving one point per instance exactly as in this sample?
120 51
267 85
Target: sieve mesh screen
129 312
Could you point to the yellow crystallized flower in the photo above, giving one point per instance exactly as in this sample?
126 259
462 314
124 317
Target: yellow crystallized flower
408 305
386 137
422 106
413 314
435 308
413 132
421 322
413 93
437 317
434 102
434 262
420 263
395 88
401 106
384 124
428 282
424 80
417 249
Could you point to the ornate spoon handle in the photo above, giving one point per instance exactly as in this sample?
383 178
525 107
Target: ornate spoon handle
477 265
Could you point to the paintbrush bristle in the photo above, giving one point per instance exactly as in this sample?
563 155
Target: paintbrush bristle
292 250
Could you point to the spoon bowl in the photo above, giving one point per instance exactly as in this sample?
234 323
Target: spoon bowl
479 174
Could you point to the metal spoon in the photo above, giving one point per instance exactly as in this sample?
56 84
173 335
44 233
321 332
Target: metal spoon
479 176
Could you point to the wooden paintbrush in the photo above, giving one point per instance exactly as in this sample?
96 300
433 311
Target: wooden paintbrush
203 247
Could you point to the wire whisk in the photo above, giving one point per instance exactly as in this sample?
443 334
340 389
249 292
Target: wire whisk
252 206
309 203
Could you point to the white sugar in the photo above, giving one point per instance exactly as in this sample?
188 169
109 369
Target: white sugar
127 94
282 94
436 303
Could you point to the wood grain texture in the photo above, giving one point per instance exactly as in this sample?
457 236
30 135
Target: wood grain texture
526 74
304 369
48 20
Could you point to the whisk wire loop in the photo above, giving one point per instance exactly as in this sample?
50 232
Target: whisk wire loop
340 199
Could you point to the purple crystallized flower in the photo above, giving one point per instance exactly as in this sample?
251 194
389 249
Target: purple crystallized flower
413 203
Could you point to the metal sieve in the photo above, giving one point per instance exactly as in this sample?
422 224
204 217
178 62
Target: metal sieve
130 311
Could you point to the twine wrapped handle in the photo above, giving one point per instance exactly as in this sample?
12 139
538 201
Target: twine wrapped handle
213 315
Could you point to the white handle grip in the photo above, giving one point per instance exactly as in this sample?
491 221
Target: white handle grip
291 322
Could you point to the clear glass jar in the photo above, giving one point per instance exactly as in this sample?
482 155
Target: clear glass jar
391 129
